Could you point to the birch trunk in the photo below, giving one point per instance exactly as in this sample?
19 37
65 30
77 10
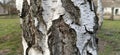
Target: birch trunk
58 27
100 13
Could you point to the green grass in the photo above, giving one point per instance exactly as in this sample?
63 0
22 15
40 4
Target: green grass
110 33
10 35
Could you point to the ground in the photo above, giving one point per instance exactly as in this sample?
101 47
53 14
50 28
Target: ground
10 37
109 38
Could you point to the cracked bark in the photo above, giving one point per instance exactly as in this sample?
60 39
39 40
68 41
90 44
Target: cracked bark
58 27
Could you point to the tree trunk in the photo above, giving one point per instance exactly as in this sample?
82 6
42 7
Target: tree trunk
100 13
112 16
58 27
4 10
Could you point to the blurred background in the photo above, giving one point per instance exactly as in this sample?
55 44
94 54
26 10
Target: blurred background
10 31
7 7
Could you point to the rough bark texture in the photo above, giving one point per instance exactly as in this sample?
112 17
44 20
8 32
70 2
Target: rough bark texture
62 41
58 27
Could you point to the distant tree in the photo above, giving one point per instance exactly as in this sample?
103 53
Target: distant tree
9 6
3 4
112 14
112 10
100 13
58 27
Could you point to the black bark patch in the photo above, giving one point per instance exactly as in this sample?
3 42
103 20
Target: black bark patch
62 40
73 10
87 31
96 23
91 5
29 46
25 9
88 53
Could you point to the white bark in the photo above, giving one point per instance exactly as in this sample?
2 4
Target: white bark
100 12
53 10
25 46
19 4
86 21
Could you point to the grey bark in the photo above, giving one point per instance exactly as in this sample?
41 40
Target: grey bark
58 27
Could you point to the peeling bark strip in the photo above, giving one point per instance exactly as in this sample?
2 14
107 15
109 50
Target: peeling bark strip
58 27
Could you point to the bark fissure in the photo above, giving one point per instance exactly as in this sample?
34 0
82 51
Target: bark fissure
91 5
25 9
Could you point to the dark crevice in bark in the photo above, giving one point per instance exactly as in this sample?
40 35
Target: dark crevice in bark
90 32
73 10
96 19
97 41
62 40
96 23
91 5
29 46
37 10
25 9
83 2
88 53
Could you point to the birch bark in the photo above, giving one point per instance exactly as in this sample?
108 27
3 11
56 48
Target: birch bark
58 27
